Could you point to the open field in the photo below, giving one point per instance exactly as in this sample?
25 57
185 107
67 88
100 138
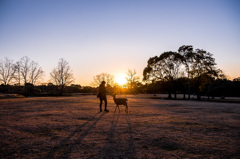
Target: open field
73 127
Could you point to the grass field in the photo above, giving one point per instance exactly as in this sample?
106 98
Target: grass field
73 127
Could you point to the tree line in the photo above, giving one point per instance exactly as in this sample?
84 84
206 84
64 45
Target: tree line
188 71
26 73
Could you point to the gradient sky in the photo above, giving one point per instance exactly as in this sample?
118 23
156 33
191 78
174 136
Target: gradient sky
112 36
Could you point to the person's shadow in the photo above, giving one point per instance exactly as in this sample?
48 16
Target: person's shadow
67 145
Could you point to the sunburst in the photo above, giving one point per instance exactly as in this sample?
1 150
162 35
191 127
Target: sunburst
121 79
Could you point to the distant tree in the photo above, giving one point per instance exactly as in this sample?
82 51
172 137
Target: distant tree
108 78
188 56
76 86
50 84
35 72
153 71
25 68
221 75
236 84
132 78
73 88
29 72
237 79
18 73
89 89
166 68
203 65
7 71
62 75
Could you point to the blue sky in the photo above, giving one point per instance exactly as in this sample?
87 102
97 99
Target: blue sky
112 36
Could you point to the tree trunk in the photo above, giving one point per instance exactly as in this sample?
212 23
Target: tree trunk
5 88
208 92
198 96
61 90
189 87
25 88
184 95
198 90
169 95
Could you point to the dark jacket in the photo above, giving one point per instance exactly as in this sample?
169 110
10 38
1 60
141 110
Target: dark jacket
102 92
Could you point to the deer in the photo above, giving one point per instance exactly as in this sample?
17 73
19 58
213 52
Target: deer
120 101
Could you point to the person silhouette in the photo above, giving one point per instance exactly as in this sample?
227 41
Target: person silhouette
102 95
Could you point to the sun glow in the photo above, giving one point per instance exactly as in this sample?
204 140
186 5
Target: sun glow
121 79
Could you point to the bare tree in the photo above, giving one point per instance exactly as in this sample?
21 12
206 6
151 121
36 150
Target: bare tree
18 73
7 71
132 78
35 72
108 78
62 75
25 68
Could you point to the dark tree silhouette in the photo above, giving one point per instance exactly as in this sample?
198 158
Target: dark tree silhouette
62 75
108 78
203 65
7 71
36 72
18 73
166 67
236 79
188 55
29 71
25 68
132 78
200 68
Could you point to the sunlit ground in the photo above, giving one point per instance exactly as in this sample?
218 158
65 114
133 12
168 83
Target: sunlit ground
72 127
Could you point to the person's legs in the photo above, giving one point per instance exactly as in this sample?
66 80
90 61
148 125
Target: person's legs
100 105
105 101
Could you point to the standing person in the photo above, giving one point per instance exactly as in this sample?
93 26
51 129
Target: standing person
102 95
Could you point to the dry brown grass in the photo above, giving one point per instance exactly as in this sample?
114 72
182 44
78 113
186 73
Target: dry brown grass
72 127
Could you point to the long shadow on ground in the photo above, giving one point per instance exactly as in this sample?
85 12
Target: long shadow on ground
115 146
64 149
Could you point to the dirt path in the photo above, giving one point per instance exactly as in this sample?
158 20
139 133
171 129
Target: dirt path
73 127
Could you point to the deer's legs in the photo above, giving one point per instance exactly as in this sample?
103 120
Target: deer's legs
126 110
117 106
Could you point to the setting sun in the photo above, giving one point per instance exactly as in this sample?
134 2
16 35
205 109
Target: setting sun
121 79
